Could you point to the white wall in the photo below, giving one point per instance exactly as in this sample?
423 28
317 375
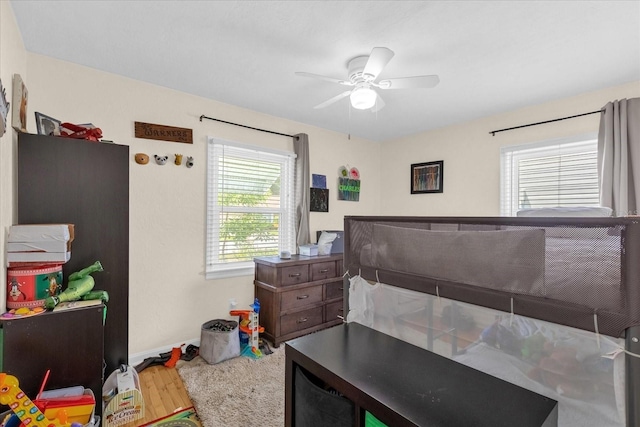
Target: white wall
169 296
13 60
472 155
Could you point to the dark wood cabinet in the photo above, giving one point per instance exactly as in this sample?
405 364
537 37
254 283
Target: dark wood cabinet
69 343
343 375
62 180
299 295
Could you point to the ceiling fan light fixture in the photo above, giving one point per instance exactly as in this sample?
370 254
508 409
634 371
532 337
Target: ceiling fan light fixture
363 98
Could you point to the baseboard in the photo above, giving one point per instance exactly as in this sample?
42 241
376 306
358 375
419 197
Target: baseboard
137 358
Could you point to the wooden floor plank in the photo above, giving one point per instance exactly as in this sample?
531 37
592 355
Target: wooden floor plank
163 392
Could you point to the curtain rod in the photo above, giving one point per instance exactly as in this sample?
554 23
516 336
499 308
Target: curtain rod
244 126
493 132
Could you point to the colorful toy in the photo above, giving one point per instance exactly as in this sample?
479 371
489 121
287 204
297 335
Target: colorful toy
18 313
176 354
249 325
23 407
80 286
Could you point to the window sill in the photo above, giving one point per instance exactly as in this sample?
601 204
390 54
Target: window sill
230 272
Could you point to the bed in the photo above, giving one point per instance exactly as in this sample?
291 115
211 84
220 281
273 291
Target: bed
550 304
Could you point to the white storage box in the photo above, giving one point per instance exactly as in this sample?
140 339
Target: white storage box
127 404
309 250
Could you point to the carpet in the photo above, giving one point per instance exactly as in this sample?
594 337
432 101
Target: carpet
239 392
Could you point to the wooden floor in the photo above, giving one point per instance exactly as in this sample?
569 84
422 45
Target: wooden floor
163 392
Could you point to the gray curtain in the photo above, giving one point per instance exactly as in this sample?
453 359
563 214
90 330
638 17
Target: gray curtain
619 156
301 148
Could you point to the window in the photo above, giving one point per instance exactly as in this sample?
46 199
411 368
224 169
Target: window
549 174
250 206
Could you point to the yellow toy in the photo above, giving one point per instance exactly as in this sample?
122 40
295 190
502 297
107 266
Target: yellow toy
23 407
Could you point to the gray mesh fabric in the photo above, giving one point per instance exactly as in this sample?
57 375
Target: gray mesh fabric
563 270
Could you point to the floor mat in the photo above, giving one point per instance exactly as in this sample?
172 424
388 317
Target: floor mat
184 418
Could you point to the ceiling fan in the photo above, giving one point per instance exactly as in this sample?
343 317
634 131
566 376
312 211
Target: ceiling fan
363 71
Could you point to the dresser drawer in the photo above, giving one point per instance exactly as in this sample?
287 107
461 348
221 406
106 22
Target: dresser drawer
323 270
333 290
300 297
300 320
333 310
295 274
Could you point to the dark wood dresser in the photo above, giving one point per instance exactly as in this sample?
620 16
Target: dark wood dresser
298 295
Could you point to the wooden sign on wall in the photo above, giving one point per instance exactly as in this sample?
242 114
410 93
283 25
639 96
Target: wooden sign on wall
163 133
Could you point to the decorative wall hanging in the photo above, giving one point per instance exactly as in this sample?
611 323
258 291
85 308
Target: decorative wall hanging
319 200
20 95
161 160
427 177
318 181
47 125
348 184
178 160
189 161
163 133
141 158
4 109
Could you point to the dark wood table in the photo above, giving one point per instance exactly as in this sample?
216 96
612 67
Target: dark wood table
404 385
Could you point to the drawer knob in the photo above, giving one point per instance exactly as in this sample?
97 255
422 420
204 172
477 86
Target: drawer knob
302 320
326 270
341 289
302 296
294 275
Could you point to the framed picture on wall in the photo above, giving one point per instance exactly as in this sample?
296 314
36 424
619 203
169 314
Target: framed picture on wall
319 200
47 125
427 177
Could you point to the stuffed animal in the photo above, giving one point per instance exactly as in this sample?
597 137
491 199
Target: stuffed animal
79 287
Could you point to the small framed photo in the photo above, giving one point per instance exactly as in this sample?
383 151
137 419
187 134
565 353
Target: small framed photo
427 177
319 200
47 125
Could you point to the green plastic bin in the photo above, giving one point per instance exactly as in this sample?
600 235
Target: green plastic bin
371 421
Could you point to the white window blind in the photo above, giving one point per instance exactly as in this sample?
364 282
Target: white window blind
250 206
549 174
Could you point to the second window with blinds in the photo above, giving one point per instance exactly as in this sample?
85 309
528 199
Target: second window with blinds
558 173
250 206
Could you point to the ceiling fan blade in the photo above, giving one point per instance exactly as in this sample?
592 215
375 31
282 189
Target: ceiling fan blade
417 82
379 57
334 99
379 104
325 78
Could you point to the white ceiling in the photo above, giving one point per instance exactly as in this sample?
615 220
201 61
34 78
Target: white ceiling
491 56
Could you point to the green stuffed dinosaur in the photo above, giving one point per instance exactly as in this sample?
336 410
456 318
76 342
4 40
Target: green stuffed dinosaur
80 287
